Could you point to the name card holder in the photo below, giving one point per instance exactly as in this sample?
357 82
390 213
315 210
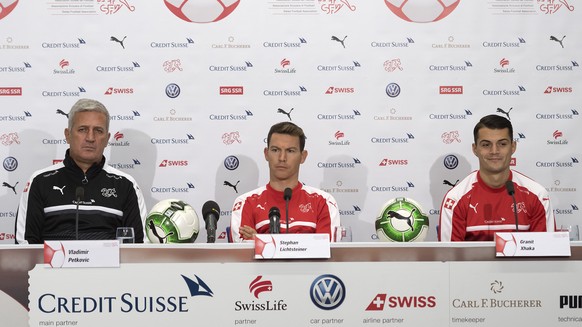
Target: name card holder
81 254
292 246
532 244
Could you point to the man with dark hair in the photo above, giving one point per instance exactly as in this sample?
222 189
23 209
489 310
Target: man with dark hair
480 205
106 197
310 210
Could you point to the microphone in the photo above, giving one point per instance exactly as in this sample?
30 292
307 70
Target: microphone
79 194
274 221
211 213
511 192
287 196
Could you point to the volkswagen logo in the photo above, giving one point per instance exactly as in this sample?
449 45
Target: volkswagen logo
451 161
231 162
327 292
172 90
10 163
393 90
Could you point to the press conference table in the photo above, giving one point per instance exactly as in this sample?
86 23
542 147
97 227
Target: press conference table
17 260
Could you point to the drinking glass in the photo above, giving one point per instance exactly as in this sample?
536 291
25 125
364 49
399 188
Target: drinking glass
343 234
573 230
125 235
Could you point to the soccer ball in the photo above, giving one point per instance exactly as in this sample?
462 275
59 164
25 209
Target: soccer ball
401 220
201 11
6 6
505 244
172 221
54 254
265 247
422 11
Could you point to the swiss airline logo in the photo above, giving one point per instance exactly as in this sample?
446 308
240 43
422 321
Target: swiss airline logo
173 163
393 162
339 90
382 301
121 91
231 90
555 89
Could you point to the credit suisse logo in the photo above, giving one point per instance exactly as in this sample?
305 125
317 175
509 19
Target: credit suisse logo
558 116
285 44
15 69
231 68
339 68
450 68
504 44
172 45
286 92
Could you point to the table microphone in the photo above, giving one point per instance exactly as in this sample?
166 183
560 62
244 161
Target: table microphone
79 194
511 192
274 221
211 213
287 196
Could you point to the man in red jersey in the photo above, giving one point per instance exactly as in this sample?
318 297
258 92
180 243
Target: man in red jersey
481 205
310 210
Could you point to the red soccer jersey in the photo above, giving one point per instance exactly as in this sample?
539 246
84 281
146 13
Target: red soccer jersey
310 211
473 211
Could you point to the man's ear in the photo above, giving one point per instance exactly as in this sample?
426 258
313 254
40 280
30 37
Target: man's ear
67 134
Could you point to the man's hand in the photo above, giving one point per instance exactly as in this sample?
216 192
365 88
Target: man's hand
247 232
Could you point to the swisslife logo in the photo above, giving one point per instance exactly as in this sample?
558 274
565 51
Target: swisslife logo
173 163
260 287
382 301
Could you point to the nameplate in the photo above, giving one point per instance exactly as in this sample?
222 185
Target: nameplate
81 254
533 244
292 246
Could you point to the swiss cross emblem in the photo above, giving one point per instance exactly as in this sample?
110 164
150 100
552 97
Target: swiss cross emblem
237 206
449 203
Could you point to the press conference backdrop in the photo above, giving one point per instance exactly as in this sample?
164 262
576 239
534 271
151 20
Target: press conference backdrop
387 97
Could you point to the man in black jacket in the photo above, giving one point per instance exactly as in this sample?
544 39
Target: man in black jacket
106 197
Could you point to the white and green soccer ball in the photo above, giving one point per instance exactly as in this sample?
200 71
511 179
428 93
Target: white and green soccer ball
401 220
172 221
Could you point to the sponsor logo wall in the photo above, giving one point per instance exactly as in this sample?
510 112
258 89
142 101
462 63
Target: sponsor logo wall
387 95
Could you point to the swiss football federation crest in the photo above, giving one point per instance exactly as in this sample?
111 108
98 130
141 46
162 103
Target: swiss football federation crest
401 220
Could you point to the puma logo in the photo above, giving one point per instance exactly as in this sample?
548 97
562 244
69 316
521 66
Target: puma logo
506 113
446 182
154 232
288 114
227 183
553 38
335 38
474 207
60 112
114 39
396 215
59 189
10 186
